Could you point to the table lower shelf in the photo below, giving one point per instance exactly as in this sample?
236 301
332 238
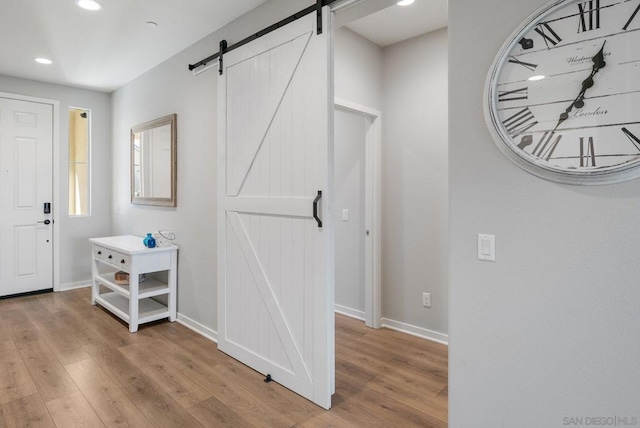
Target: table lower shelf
148 309
149 288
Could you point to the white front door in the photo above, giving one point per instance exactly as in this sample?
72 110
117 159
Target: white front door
26 242
275 264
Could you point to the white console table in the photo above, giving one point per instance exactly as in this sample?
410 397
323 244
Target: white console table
134 302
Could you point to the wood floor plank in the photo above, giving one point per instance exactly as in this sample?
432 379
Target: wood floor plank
59 336
110 403
172 331
51 379
246 403
27 411
20 327
329 419
3 424
425 363
213 412
73 411
14 377
368 362
185 391
274 395
167 413
412 389
204 349
227 390
378 347
236 397
372 409
5 334
125 374
56 302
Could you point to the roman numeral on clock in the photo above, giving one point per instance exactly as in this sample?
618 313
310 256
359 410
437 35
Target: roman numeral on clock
548 35
528 65
587 152
546 145
633 15
589 15
635 140
520 122
516 94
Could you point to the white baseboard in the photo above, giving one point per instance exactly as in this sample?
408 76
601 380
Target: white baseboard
397 325
434 336
353 313
74 285
413 330
198 328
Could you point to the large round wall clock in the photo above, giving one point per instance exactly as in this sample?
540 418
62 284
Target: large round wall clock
563 94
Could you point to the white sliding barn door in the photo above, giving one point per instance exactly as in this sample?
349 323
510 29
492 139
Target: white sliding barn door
275 264
26 247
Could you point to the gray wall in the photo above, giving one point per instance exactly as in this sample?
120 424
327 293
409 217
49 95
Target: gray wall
550 330
350 140
357 68
414 185
75 251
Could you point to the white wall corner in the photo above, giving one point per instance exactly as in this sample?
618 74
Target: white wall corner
413 330
201 329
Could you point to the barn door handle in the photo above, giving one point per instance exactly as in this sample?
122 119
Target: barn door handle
315 208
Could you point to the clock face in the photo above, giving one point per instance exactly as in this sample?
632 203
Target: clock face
564 92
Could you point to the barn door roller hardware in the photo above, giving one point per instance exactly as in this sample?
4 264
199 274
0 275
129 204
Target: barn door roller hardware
317 8
223 49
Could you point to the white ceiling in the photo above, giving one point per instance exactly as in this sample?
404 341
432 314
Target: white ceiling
397 23
104 50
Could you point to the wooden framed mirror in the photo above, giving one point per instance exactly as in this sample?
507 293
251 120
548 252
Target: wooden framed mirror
153 162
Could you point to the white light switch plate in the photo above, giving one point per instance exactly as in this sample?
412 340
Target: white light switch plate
486 247
345 215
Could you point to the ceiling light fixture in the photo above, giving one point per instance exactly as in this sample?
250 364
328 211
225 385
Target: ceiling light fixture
151 24
534 78
44 61
89 4
405 2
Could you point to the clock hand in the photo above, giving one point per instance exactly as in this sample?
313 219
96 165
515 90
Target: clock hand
598 63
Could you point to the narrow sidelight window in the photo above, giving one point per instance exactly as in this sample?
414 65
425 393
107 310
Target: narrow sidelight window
79 171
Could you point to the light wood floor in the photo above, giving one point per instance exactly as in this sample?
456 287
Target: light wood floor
65 363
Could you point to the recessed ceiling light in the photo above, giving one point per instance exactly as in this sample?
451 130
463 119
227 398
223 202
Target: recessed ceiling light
151 24
405 2
89 4
534 78
43 61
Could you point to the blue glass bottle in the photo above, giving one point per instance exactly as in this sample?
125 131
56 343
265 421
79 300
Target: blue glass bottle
149 241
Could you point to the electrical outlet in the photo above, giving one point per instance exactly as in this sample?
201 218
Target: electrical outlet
426 300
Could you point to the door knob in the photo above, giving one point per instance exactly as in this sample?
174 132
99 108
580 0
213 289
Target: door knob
47 221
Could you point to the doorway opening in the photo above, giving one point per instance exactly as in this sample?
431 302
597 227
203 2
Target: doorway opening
358 211
384 64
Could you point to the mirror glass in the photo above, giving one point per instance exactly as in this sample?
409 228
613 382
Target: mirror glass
153 162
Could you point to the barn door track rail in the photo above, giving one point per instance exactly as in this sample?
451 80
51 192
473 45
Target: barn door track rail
224 48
